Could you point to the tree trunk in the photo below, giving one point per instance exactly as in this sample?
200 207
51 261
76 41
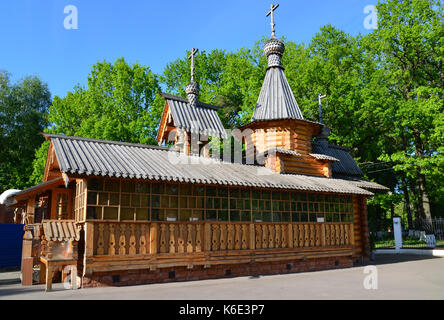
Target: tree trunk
405 190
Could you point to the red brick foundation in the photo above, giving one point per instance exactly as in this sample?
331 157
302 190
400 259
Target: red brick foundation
145 276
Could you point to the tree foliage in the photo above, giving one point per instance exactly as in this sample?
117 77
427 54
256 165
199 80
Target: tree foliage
23 106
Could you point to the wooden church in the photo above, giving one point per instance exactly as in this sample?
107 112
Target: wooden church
121 213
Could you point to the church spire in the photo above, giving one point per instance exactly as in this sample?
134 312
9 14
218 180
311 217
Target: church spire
276 100
192 89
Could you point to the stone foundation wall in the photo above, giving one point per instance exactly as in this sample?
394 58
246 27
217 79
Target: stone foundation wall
145 276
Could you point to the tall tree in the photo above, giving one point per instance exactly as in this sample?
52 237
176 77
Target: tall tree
119 103
23 107
408 49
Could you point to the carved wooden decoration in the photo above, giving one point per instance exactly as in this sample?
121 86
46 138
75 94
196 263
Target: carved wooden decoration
198 239
100 241
190 238
295 236
317 235
341 234
327 234
346 237
264 236
284 234
312 236
222 241
337 235
230 235
112 241
277 236
214 239
244 237
306 236
181 239
237 237
132 241
301 236
162 247
258 236
122 240
270 236
142 240
172 238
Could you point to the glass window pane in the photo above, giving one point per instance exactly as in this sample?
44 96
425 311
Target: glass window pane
128 186
211 215
234 192
234 215
222 215
295 217
185 214
145 200
142 213
257 216
211 191
110 213
92 197
156 215
276 217
174 202
199 191
285 216
135 200
125 199
186 189
303 217
172 189
158 188
171 215
222 192
155 201
126 214
93 212
266 194
266 216
112 185
114 199
246 216
95 184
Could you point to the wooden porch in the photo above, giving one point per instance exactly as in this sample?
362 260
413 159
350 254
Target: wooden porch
139 245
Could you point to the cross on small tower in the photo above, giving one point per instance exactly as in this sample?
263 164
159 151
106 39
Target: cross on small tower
272 8
191 56
319 98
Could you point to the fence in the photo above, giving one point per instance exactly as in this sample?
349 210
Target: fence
427 233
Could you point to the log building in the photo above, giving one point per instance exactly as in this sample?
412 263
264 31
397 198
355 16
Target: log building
126 213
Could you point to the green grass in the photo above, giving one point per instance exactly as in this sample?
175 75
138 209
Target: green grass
407 242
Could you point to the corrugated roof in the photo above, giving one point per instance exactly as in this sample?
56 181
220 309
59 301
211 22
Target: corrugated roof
346 164
276 100
91 157
202 119
60 230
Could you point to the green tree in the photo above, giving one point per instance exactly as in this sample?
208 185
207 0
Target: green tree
23 107
119 103
407 46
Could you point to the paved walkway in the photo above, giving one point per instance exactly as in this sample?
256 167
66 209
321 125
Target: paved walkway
399 277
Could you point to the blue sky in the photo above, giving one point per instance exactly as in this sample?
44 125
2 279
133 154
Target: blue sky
34 40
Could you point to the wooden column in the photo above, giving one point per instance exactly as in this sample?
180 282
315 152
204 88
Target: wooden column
89 247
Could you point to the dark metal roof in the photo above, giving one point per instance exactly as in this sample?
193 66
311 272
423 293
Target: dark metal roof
276 100
346 164
202 118
92 157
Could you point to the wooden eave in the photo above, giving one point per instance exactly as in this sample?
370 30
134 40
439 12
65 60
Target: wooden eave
165 124
39 189
52 168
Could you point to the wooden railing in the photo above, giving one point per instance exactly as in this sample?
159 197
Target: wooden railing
134 238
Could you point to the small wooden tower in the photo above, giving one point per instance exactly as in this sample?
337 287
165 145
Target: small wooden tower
278 130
